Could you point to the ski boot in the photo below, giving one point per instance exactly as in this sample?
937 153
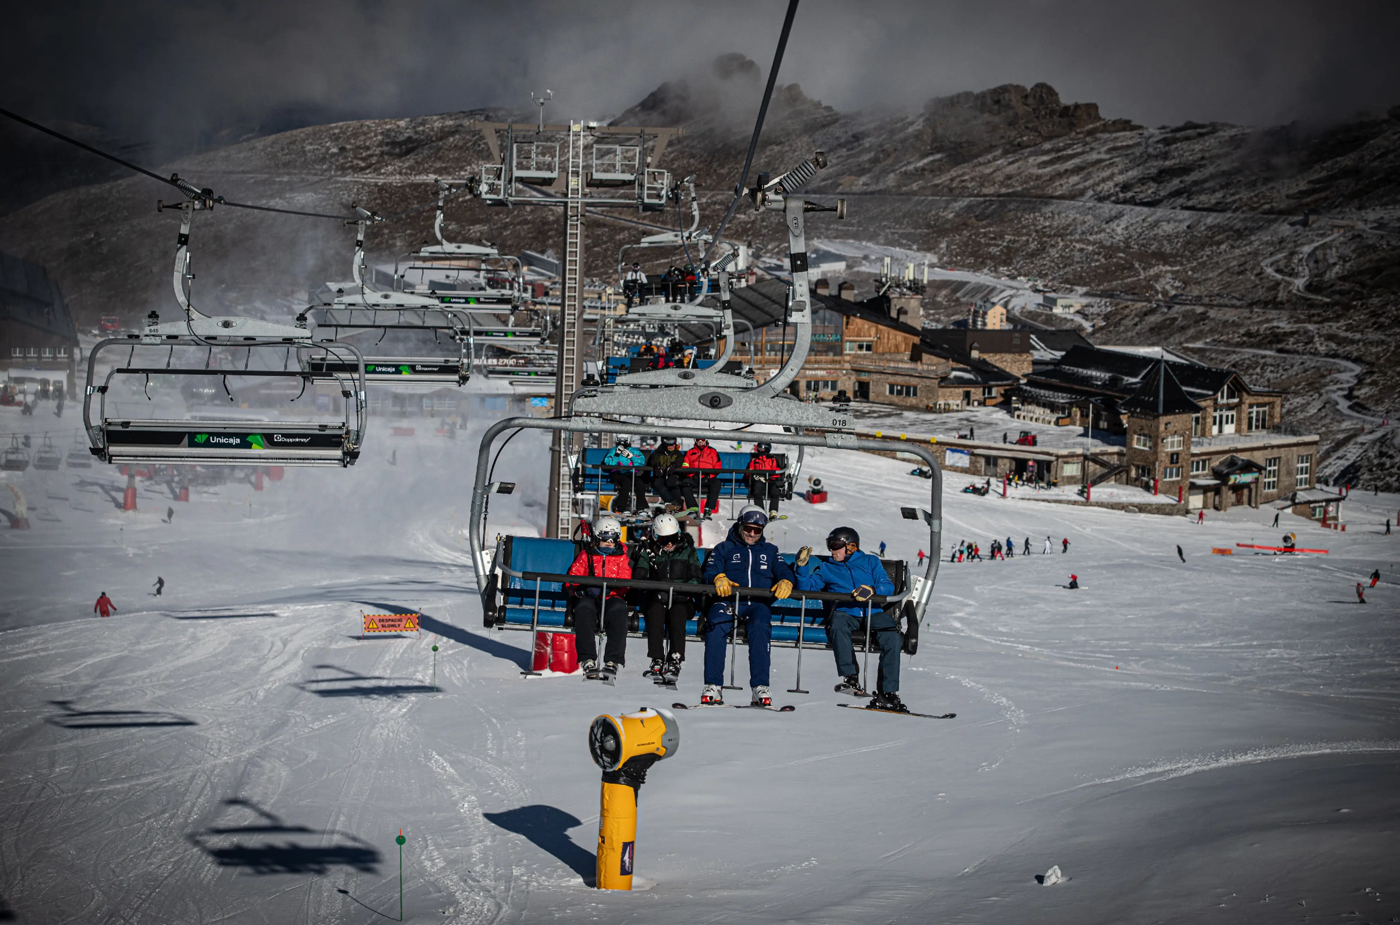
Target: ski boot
610 669
850 684
656 670
762 697
714 694
590 669
672 671
887 700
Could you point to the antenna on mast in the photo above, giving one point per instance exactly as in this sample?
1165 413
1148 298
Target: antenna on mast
540 101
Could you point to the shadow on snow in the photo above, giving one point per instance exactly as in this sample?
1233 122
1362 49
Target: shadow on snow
547 827
267 845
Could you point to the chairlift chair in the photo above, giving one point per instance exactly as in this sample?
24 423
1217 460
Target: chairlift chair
47 457
16 458
78 456
220 349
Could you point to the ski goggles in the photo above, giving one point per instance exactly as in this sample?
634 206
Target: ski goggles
754 518
751 529
834 545
608 536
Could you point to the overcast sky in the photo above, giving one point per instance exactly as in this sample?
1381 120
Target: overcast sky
161 69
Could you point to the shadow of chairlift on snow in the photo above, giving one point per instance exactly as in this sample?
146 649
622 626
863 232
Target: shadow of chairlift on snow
205 615
547 827
268 845
351 685
70 717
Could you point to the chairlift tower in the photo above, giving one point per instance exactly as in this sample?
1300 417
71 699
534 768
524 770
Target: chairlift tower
600 164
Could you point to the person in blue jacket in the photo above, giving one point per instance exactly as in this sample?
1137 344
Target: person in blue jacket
625 479
744 560
851 571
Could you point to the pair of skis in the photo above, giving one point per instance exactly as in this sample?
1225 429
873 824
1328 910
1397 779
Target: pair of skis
786 708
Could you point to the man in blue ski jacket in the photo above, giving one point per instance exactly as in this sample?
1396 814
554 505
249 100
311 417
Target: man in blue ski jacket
744 560
849 570
625 479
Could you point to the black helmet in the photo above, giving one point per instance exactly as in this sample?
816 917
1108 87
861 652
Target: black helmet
764 447
670 441
842 536
623 440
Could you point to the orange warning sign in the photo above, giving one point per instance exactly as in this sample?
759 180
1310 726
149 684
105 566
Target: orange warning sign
1222 551
390 622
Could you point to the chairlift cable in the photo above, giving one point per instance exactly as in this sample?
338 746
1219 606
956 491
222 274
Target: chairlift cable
758 124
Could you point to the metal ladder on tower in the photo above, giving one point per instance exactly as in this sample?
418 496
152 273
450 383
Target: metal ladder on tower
570 331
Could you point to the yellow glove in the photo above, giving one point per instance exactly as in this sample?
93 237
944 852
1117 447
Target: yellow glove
863 593
803 555
723 586
782 590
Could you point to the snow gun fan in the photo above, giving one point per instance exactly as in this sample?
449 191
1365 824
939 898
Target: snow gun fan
464 296
230 362
626 747
711 394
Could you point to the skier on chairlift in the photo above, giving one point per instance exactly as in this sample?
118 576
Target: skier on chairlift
604 557
744 560
632 284
664 463
625 479
699 458
763 478
669 556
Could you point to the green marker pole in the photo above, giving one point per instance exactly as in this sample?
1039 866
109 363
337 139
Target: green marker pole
435 687
400 840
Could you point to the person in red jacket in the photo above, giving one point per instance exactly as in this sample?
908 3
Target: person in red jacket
104 606
701 456
764 478
605 557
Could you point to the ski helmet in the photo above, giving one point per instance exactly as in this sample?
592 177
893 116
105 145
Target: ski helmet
753 514
842 536
623 440
670 441
607 528
665 525
765 447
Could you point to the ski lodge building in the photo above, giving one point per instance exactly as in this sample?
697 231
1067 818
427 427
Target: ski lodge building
38 340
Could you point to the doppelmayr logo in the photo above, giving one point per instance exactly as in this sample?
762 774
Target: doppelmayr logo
279 438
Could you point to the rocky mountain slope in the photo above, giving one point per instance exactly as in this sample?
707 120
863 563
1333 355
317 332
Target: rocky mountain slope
1221 240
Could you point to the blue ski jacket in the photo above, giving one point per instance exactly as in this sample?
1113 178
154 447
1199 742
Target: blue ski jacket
756 566
860 568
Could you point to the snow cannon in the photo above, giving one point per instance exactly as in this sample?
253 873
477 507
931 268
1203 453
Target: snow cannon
626 747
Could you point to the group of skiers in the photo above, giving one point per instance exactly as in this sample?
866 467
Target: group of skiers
972 552
678 478
744 561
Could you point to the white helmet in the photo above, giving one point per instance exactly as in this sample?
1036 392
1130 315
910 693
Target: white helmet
753 514
665 525
606 527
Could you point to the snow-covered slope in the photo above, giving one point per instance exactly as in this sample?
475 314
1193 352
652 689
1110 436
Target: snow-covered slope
1213 740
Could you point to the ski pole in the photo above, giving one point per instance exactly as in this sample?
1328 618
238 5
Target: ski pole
733 644
534 633
865 668
801 625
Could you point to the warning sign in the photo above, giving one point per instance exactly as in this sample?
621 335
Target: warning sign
1219 551
390 622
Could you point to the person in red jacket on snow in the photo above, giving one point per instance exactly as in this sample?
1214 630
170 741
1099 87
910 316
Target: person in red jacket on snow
701 456
104 606
763 478
605 557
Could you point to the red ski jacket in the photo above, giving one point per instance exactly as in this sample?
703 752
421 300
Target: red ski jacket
104 605
597 564
763 464
696 458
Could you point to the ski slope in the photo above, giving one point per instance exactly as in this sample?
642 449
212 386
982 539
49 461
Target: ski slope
1213 740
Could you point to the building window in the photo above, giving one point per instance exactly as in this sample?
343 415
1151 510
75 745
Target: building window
1196 425
1304 471
900 390
31 351
989 391
46 352
1228 394
1258 417
16 351
1200 466
860 346
1142 442
1173 442
1271 474
1171 474
1070 468
1144 473
61 352
1223 421
820 385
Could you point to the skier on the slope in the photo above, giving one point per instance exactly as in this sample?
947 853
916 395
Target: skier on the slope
744 560
1064 545
764 478
624 477
1010 547
604 557
882 549
1074 582
669 556
1375 577
921 558
1047 546
1201 516
1360 593
1276 513
849 570
1027 550
104 606
159 585
1179 554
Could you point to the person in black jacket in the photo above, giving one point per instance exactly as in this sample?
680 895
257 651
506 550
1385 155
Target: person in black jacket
665 461
670 556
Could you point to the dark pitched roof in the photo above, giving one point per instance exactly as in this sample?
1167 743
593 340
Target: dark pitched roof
1110 372
30 297
1160 393
1011 340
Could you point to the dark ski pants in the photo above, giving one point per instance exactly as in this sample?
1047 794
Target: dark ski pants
624 483
763 493
887 639
688 486
586 629
667 488
667 625
718 624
